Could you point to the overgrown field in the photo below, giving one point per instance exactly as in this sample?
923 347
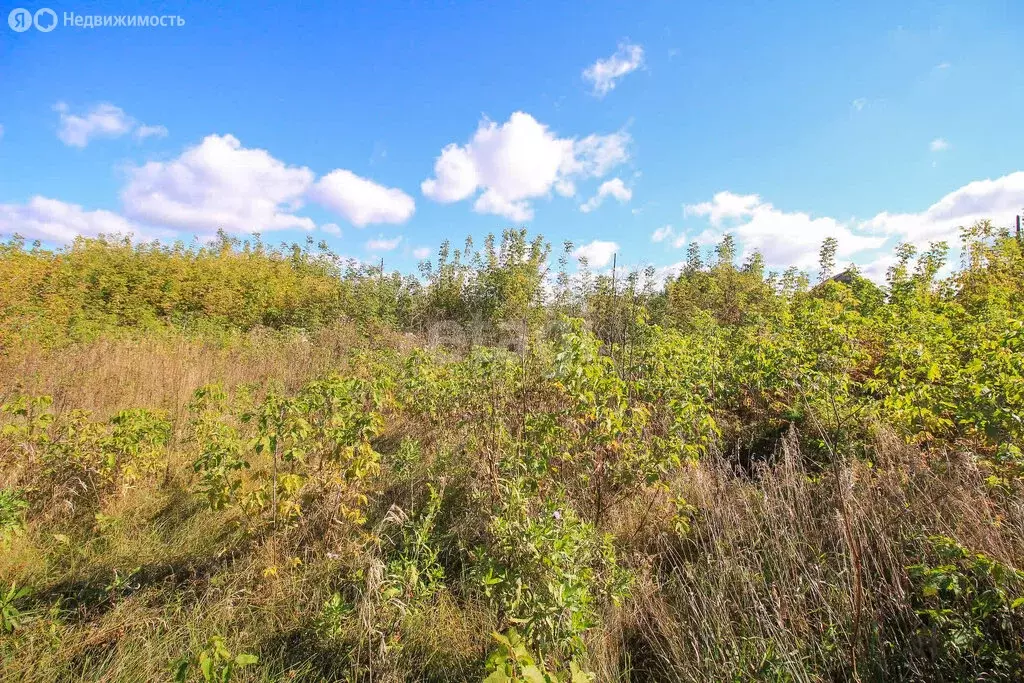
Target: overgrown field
262 464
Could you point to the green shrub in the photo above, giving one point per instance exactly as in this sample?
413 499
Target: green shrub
972 609
547 571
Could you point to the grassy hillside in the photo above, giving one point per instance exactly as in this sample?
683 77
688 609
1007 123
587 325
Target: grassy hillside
252 463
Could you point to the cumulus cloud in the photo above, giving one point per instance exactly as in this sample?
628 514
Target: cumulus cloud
597 253
381 244
724 205
102 121
361 201
938 145
784 238
998 200
614 188
421 253
662 233
52 220
215 184
515 162
455 174
605 74
596 155
219 184
793 238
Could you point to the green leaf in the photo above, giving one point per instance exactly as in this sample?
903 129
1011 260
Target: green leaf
498 676
578 674
245 659
533 675
181 671
206 666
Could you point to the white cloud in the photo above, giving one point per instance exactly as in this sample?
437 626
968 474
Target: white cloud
680 239
455 174
605 74
518 161
859 103
783 238
614 188
664 273
494 203
793 238
878 267
595 155
938 145
381 244
598 253
421 253
704 238
662 234
219 184
56 221
143 132
724 205
361 201
102 121
998 200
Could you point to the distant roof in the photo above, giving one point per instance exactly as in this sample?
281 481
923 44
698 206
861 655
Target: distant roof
846 277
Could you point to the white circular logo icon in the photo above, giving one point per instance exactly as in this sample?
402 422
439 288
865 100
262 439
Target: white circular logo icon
45 20
20 20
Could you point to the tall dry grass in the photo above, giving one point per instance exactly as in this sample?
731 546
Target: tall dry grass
163 370
793 574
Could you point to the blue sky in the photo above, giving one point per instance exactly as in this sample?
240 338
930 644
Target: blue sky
385 127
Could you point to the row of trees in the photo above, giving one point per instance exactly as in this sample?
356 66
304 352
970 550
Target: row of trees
96 285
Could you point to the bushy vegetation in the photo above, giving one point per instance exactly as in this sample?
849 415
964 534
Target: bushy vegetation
239 462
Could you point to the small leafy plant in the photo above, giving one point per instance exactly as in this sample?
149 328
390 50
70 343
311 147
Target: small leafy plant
12 618
12 513
548 571
512 662
216 663
222 457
